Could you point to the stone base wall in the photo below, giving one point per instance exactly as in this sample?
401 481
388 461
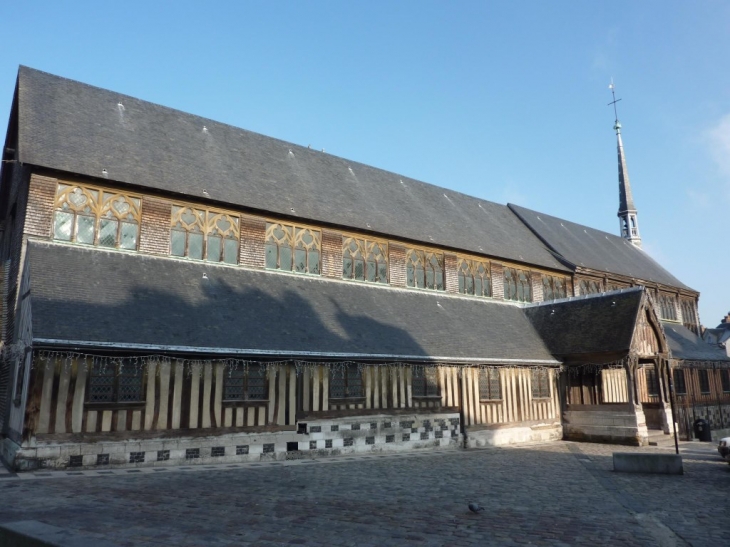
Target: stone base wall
322 438
718 416
614 426
519 434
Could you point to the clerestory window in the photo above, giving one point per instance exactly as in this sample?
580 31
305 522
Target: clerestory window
96 216
364 260
553 287
517 285
424 269
204 234
589 286
668 307
474 277
293 248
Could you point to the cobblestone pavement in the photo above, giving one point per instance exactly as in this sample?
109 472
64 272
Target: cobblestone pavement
551 494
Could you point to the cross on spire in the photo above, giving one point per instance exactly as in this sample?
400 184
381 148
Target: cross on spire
617 125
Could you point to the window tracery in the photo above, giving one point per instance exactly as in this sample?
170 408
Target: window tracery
490 385
96 216
424 269
474 277
517 285
345 382
668 307
689 316
553 287
589 286
200 233
293 248
364 260
245 384
540 381
115 382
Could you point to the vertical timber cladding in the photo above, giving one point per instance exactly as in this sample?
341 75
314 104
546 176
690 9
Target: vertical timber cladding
176 395
614 386
331 254
154 234
41 200
517 403
497 280
536 279
451 273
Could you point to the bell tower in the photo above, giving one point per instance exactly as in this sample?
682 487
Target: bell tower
629 223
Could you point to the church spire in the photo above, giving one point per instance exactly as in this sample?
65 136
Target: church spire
629 223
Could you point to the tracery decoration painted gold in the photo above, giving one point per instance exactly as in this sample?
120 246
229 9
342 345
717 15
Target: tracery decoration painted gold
668 307
200 233
96 216
293 248
553 287
689 315
474 277
364 260
517 285
424 269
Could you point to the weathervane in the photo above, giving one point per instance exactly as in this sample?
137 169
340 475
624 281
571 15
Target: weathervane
612 87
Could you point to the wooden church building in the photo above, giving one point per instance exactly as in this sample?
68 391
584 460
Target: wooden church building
175 289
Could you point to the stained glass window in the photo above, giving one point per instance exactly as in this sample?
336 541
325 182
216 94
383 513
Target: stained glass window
517 285
292 248
115 382
424 269
364 260
245 384
204 234
345 382
95 216
540 380
474 277
490 385
553 288
425 382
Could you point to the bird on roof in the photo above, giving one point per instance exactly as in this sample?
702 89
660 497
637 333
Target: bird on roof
475 507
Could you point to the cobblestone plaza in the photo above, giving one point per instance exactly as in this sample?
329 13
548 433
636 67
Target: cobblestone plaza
551 494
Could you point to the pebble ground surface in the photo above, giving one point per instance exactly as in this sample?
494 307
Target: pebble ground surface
560 493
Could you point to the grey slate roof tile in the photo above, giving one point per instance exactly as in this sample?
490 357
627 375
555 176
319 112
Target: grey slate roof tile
74 127
685 344
595 249
595 328
98 296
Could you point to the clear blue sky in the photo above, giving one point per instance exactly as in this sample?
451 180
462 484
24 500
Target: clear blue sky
502 100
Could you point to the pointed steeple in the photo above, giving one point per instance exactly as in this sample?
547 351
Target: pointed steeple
629 223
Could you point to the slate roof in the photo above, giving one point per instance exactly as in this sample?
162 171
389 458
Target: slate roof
74 127
686 345
104 297
591 248
588 329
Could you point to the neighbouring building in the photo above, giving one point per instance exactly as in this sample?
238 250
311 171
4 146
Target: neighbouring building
176 289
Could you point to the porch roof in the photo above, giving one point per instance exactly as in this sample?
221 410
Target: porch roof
685 345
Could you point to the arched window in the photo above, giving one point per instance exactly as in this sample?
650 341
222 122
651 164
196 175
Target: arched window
424 269
364 260
517 285
94 216
474 277
668 307
589 286
203 233
553 288
292 248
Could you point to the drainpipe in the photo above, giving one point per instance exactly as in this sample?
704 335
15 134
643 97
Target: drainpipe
462 414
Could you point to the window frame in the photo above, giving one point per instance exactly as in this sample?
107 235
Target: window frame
676 374
428 383
540 383
292 236
101 204
365 247
519 284
245 399
652 381
703 380
468 267
206 219
425 258
725 380
550 281
119 366
587 286
346 398
488 375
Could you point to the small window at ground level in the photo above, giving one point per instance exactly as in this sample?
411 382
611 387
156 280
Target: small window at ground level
540 379
345 382
680 385
245 384
425 382
115 382
490 385
704 378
